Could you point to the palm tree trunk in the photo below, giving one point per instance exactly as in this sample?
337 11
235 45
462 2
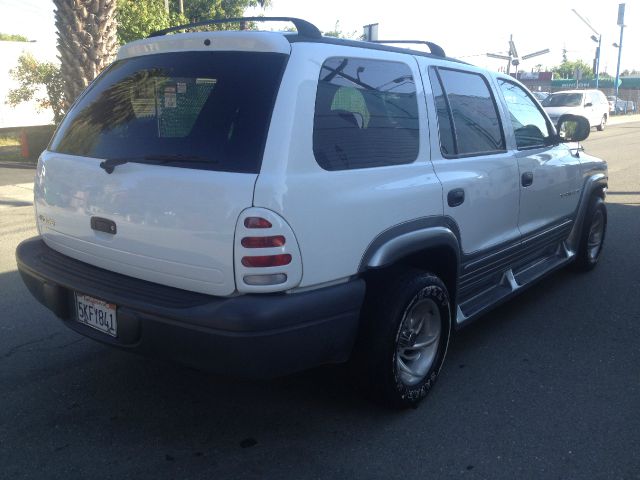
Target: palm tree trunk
87 42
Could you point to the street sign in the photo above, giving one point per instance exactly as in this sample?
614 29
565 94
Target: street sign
621 14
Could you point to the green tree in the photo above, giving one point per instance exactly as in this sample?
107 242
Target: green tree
339 33
196 10
86 41
139 18
567 69
31 75
9 37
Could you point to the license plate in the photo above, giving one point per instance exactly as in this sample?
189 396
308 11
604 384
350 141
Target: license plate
97 314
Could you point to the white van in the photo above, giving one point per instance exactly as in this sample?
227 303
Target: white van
259 203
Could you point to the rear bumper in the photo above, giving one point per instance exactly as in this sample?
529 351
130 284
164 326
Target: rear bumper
249 335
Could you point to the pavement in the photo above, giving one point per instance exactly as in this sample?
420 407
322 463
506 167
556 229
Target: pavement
620 119
17 195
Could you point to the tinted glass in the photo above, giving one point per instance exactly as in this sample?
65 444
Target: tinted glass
206 110
563 100
366 114
445 125
475 116
529 124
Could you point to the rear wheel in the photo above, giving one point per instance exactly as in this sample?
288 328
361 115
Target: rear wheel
603 123
594 230
408 325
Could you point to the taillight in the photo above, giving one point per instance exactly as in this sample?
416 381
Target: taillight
257 222
263 242
265 261
267 257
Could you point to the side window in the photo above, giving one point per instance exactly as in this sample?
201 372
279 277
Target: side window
474 123
529 124
366 114
445 122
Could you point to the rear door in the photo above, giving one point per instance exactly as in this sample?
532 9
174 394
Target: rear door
182 135
479 176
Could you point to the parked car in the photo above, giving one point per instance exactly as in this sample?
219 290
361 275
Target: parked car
259 203
591 104
619 106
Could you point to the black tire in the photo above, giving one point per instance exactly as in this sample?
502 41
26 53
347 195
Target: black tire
385 332
603 123
591 242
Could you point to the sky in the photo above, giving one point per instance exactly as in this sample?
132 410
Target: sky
466 29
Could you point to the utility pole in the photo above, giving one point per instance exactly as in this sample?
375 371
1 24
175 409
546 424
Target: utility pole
596 38
621 23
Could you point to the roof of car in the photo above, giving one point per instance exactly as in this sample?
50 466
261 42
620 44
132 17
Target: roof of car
306 32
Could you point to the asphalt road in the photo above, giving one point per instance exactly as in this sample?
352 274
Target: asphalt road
545 387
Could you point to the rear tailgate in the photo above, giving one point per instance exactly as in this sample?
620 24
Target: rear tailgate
149 171
174 227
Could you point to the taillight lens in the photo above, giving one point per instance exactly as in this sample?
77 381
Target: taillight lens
265 261
263 242
257 222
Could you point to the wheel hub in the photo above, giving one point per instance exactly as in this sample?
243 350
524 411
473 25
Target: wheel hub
417 342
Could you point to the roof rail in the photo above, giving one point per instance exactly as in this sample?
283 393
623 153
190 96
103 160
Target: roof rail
304 28
436 49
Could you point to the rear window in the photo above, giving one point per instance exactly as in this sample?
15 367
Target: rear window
208 110
563 100
468 119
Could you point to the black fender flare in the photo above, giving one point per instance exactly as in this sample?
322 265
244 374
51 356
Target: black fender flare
411 237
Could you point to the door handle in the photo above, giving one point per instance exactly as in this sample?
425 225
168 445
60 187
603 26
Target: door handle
455 197
527 179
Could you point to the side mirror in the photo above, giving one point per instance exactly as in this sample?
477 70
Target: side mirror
573 128
588 105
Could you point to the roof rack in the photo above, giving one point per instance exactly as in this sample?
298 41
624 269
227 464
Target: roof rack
436 49
304 28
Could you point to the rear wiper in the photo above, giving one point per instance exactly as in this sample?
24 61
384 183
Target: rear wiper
110 164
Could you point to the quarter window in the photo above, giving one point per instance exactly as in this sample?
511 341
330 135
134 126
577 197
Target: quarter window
529 124
468 118
366 114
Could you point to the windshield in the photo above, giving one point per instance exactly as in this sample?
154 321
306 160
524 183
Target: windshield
210 106
563 100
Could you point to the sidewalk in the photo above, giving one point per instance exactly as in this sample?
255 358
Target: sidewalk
19 195
618 119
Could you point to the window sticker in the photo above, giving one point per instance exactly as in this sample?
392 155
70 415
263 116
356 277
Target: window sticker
170 100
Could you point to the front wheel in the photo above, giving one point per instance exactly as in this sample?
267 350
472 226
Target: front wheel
603 123
408 325
592 235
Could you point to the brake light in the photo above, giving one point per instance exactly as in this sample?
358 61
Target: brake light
263 242
266 254
265 261
257 222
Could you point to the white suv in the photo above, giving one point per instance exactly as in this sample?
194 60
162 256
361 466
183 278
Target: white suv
590 104
259 203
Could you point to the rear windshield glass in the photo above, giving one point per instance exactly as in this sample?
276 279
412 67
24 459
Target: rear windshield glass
208 110
563 100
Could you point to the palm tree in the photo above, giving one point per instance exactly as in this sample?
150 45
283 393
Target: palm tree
87 42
